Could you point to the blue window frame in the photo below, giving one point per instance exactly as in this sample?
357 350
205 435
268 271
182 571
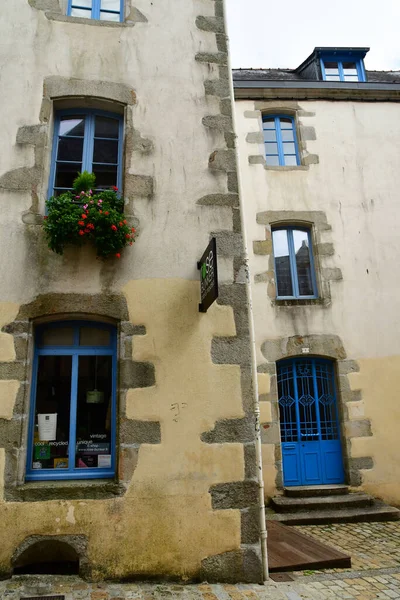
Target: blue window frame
86 140
294 263
280 141
103 10
73 402
342 68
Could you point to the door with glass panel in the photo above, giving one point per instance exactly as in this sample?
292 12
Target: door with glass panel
72 417
309 422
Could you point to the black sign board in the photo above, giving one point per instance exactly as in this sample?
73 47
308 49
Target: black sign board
208 276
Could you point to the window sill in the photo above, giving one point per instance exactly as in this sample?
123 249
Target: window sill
52 16
299 302
40 491
283 168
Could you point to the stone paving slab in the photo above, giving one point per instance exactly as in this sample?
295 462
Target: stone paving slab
375 574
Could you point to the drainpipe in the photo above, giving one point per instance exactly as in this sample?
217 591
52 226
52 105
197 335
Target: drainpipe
263 529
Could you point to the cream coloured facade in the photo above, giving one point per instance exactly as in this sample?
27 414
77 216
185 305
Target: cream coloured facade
183 501
344 191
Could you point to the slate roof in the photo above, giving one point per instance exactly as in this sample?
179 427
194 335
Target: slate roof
293 75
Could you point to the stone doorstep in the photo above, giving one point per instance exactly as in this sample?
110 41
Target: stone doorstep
316 490
337 501
377 512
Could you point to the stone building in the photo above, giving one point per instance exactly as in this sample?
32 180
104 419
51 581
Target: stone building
319 163
126 428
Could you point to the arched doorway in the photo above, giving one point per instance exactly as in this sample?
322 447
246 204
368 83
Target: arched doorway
309 422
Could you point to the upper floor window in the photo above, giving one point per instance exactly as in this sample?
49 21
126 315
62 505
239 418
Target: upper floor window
73 406
344 69
86 140
103 10
294 263
281 149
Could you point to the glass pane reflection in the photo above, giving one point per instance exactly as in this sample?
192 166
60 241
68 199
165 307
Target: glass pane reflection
282 263
303 262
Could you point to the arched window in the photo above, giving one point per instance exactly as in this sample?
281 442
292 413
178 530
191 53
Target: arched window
294 263
103 10
86 140
280 141
72 417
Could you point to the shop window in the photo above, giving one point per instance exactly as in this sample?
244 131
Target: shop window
280 141
86 140
294 263
72 417
103 10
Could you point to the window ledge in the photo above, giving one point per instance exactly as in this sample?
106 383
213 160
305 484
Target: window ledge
283 168
52 16
39 491
299 302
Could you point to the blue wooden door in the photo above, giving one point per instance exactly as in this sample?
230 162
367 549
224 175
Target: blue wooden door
310 436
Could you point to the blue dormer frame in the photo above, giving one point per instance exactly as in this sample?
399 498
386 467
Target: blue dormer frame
340 58
88 144
94 12
75 351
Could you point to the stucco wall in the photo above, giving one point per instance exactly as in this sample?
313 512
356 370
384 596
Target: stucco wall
184 502
349 193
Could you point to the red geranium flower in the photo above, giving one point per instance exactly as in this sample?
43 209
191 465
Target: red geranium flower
133 229
45 218
81 232
84 216
81 223
113 227
125 221
114 187
118 255
128 237
106 213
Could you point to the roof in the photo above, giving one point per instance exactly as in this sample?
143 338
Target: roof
293 75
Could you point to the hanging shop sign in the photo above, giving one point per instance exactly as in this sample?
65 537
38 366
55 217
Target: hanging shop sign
208 276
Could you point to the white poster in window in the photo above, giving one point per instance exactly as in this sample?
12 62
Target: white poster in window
104 460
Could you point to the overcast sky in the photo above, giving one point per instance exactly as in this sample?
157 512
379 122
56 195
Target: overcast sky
266 33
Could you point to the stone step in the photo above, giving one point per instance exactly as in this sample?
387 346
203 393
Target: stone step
376 512
316 490
335 502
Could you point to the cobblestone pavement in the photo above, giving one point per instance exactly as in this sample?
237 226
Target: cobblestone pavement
375 549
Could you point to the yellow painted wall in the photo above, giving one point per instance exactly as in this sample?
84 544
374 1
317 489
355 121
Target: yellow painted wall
379 380
164 523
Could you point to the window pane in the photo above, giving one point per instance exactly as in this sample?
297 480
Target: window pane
350 67
106 128
286 123
94 336
331 67
272 161
271 148
70 149
58 336
106 175
107 16
289 148
282 263
269 123
74 126
303 262
269 135
105 151
287 135
351 78
332 78
66 173
78 12
111 5
93 419
290 161
52 413
306 402
82 3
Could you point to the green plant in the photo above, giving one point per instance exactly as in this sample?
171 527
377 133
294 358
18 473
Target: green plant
75 217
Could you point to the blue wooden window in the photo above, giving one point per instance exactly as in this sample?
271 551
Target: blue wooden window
73 403
86 140
342 68
294 263
103 10
280 141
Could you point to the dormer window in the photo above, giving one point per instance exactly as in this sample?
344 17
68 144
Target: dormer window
348 68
